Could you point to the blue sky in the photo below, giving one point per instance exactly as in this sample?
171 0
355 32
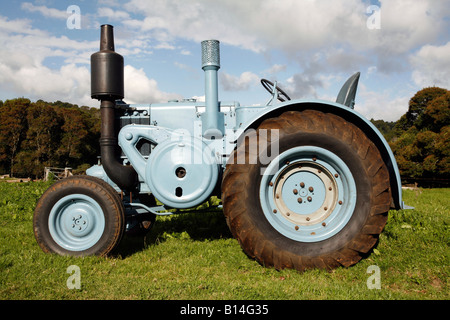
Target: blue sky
309 46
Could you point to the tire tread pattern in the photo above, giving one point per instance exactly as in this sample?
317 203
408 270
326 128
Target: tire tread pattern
253 241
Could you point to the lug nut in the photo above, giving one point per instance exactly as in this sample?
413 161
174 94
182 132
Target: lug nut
302 184
300 200
309 199
311 189
295 191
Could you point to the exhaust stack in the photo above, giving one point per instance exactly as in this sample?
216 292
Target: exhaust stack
210 65
107 85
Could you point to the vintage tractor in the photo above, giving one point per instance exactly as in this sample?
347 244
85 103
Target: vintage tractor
303 183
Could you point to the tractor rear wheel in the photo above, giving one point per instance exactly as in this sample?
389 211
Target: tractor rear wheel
320 203
79 216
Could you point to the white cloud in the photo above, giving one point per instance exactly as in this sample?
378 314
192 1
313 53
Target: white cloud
381 105
321 42
45 11
111 14
233 83
141 89
432 66
23 70
276 68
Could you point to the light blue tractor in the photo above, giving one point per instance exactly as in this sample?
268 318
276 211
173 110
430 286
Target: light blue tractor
303 183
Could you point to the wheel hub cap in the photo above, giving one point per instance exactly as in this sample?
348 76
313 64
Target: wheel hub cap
76 222
308 194
305 193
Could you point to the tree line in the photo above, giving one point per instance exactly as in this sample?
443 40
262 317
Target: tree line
34 135
420 139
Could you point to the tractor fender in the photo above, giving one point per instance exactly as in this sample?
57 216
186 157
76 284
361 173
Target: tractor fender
349 115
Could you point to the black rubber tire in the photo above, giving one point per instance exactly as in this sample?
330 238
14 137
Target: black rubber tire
101 193
259 239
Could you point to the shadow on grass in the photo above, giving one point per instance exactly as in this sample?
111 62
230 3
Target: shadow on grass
198 226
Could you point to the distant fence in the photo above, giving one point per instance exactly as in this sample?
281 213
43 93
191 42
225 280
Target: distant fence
58 173
426 182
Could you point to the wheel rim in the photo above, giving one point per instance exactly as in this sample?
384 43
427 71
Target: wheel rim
308 194
76 222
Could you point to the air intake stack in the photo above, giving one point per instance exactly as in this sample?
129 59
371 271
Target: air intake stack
210 65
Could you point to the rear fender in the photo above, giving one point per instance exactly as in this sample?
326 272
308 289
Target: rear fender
349 115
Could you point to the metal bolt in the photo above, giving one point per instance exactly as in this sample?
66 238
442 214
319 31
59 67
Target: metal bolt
277 196
309 199
330 188
340 202
311 189
319 171
324 224
314 158
325 208
302 184
296 227
288 214
274 210
270 183
295 191
287 162
336 175
300 200
308 218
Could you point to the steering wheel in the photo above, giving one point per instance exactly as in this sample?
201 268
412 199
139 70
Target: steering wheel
280 94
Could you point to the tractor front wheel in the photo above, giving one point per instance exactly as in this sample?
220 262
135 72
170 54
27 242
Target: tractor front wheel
79 216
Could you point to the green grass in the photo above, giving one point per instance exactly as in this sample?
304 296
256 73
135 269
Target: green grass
193 256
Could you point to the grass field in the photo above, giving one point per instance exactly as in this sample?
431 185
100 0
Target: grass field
193 256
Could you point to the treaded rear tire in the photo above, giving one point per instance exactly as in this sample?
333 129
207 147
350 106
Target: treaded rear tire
247 216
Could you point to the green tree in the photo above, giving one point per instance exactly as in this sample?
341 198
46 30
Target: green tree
422 148
42 138
417 106
13 127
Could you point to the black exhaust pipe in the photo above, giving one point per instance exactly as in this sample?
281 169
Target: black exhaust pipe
107 85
